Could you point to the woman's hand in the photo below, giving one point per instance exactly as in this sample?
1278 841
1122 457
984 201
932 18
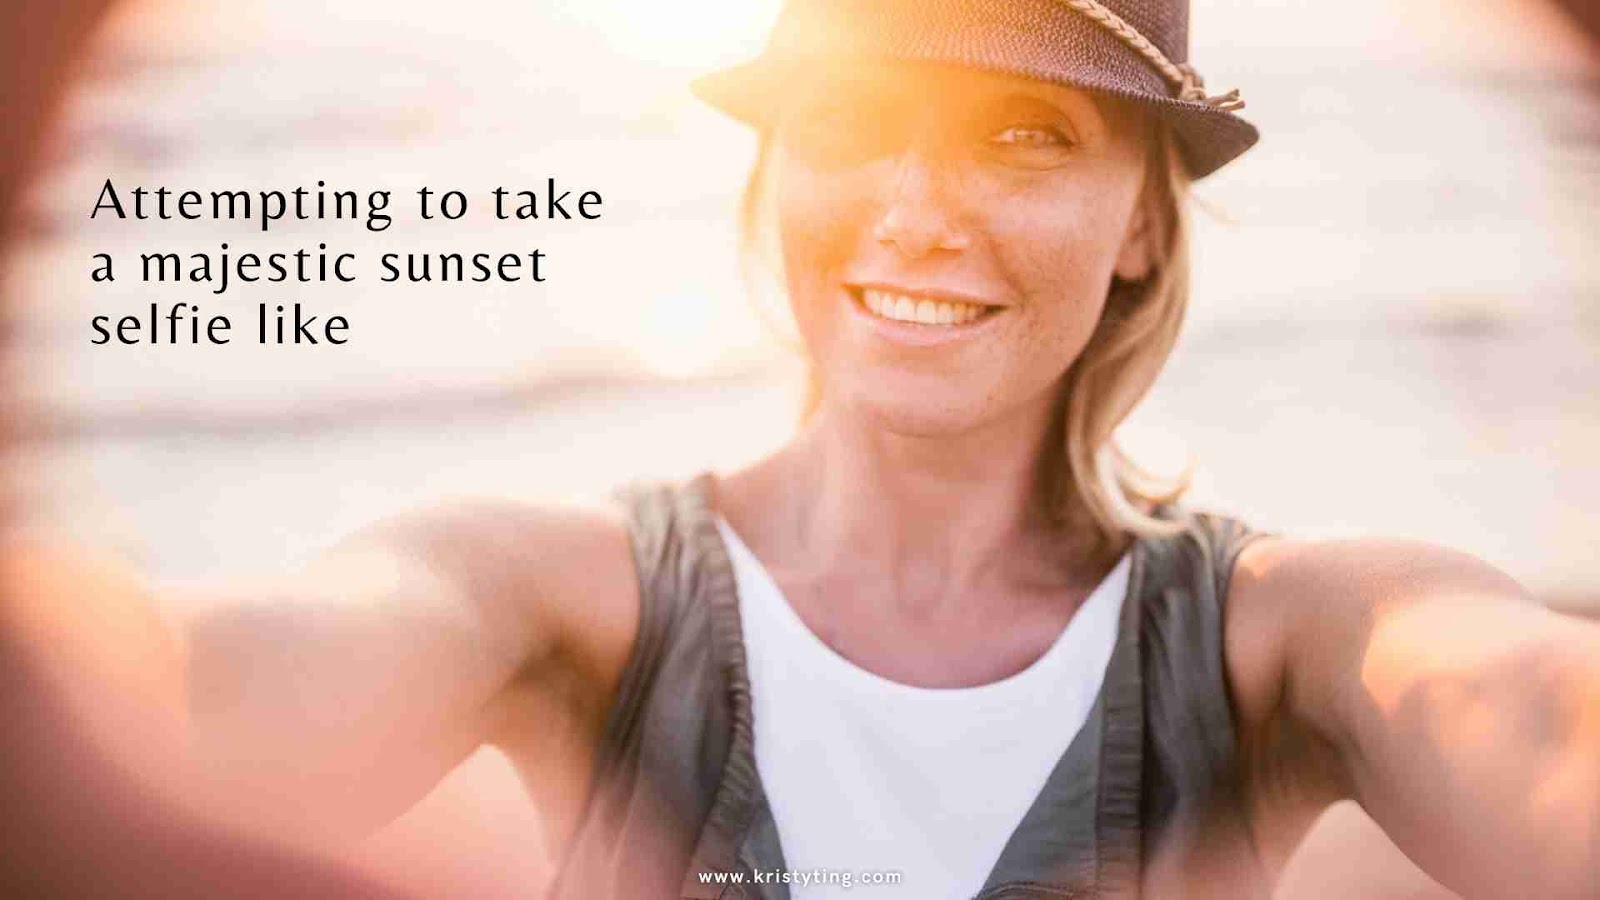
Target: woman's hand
1425 685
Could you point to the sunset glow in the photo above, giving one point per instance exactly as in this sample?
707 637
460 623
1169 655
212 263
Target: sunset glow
697 33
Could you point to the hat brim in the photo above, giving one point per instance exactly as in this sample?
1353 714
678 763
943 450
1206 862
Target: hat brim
1208 137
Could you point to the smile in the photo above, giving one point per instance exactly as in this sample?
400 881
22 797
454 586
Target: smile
898 307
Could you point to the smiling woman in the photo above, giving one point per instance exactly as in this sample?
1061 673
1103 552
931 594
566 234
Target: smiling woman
978 209
946 630
1020 175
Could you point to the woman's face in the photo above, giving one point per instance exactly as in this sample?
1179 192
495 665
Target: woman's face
949 236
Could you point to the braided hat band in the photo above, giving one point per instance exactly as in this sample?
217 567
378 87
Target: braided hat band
1132 50
1190 85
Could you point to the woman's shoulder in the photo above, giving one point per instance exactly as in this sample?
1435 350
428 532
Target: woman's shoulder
1262 567
1290 580
496 537
1366 562
1303 613
557 577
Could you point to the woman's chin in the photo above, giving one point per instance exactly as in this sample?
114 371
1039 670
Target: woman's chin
930 411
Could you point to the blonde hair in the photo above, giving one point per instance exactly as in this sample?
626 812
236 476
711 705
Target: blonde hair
1088 480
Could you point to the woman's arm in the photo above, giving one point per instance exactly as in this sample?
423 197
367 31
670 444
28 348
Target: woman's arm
324 704
340 699
1424 684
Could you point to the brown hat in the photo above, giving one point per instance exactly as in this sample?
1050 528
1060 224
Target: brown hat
1135 49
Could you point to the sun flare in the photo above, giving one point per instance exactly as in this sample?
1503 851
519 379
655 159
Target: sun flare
688 33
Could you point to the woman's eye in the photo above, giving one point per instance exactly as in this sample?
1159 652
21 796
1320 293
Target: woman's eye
1029 137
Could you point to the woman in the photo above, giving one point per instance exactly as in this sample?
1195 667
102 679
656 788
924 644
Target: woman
945 642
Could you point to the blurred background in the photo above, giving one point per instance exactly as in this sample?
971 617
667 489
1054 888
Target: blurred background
1395 327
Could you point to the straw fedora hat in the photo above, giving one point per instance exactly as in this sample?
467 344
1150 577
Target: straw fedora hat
1136 49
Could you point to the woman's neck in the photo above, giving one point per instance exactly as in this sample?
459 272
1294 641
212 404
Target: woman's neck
943 516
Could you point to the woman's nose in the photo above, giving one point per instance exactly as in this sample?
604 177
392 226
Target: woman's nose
919 214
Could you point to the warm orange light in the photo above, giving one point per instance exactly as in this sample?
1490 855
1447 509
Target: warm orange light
692 33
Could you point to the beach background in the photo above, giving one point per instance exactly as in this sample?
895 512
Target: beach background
1395 326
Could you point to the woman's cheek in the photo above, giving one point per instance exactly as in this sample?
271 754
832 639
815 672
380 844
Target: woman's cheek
1063 277
818 225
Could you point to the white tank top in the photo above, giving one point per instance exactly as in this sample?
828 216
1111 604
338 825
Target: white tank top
883 790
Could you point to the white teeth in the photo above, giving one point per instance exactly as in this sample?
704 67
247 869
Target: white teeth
902 308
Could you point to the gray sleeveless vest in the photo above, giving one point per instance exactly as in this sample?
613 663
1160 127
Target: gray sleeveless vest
1146 799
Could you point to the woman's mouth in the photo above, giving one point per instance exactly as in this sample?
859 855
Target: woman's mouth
918 320
897 307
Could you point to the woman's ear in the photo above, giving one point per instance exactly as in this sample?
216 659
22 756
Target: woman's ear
1136 257
1150 225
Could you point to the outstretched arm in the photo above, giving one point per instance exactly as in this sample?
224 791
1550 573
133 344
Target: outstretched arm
1425 685
337 700
323 704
